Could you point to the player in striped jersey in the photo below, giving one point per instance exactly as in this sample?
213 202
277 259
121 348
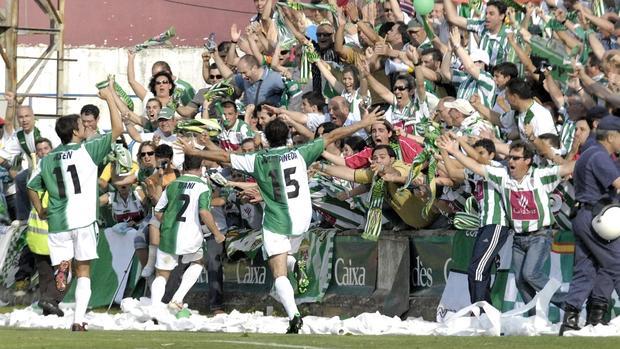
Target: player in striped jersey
490 29
525 193
182 207
281 175
69 174
494 228
473 77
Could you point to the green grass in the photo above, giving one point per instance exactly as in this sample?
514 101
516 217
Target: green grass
30 338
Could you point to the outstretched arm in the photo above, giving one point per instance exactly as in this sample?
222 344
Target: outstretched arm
451 146
341 132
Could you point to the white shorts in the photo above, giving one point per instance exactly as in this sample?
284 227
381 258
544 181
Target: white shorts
80 243
167 261
274 244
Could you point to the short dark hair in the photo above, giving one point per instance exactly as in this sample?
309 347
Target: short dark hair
501 7
327 126
387 147
528 152
402 29
90 109
43 140
314 98
432 51
595 114
487 144
408 79
260 107
553 139
228 104
164 151
507 69
154 80
520 88
276 133
192 162
65 125
356 143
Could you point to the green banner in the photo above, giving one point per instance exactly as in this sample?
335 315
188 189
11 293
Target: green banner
430 262
354 266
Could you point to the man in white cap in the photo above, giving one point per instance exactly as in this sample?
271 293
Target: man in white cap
465 119
472 78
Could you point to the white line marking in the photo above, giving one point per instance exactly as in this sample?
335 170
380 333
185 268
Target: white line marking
275 345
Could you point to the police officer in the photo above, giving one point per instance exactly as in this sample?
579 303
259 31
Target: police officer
597 261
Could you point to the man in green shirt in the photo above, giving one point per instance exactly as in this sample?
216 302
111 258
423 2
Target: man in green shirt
69 175
281 175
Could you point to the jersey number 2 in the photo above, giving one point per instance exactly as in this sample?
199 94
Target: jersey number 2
77 188
185 199
288 182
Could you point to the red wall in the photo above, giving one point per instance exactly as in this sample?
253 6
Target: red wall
120 23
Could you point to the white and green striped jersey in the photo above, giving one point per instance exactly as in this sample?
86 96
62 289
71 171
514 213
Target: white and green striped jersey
281 174
567 135
526 202
496 45
69 174
484 86
230 139
489 198
181 203
539 117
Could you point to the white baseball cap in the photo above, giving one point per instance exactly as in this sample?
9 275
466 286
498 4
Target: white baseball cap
478 55
461 105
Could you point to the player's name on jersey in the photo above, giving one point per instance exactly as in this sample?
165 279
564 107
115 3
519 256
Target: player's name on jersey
187 185
65 155
288 156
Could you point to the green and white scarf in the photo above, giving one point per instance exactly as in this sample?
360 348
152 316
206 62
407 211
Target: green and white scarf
469 219
372 229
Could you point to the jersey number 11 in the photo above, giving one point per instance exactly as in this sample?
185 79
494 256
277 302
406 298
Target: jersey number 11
77 189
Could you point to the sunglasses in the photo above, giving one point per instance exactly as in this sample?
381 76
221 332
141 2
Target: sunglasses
515 158
400 88
324 34
149 153
162 82
215 76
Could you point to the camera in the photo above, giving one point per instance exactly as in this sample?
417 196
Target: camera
163 164
544 65
211 44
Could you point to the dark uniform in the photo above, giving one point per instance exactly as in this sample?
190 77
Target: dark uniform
597 261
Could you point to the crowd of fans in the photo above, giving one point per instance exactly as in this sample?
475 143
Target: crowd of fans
472 98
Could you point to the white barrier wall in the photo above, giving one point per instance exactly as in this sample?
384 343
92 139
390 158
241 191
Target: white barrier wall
93 65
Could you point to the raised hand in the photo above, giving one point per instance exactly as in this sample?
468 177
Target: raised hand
235 33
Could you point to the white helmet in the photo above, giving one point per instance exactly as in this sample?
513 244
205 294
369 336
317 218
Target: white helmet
606 223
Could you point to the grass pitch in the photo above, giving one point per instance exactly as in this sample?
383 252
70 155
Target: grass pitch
31 338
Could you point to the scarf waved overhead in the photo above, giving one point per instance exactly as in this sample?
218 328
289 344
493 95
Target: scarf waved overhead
159 40
119 91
